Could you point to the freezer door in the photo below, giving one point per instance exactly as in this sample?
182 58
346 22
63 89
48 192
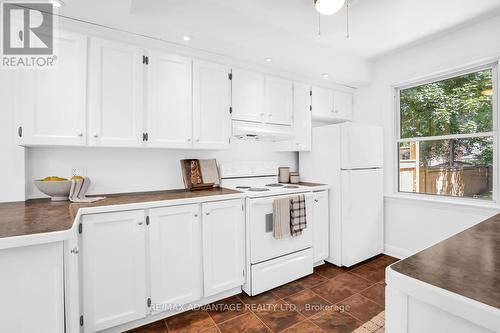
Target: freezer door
361 146
361 215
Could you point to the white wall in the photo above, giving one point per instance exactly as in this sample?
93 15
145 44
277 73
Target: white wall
115 170
413 225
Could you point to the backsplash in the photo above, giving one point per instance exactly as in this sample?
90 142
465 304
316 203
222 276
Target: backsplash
115 170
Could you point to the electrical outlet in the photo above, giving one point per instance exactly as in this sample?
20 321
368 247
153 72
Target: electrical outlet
78 172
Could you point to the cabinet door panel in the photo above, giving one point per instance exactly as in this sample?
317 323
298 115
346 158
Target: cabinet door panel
116 88
32 289
322 102
320 225
342 102
223 246
175 250
114 269
279 101
52 102
248 96
302 117
212 99
170 101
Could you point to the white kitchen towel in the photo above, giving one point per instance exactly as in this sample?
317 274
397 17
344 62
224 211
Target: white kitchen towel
281 218
78 191
298 215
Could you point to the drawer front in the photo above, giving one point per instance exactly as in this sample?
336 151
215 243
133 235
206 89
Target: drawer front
276 272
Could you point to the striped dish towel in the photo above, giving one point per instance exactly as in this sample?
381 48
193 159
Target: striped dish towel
298 219
281 218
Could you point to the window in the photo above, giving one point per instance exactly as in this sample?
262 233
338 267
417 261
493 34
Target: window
447 134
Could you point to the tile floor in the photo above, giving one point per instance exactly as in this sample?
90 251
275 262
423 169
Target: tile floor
333 300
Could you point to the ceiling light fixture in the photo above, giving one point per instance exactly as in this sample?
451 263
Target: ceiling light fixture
268 59
187 38
328 7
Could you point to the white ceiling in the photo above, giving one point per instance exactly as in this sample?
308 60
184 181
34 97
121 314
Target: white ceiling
287 30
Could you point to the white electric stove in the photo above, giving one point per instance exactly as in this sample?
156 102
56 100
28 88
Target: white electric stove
270 262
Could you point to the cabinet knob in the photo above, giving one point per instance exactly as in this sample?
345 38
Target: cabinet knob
316 200
74 250
96 135
207 213
188 140
139 223
80 134
195 215
197 140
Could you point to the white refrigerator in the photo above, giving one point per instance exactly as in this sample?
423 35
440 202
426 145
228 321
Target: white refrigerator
349 158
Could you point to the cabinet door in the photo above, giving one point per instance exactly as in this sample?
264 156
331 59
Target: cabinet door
52 102
302 117
170 111
279 101
322 102
175 250
212 99
342 105
320 225
116 88
248 96
32 289
223 245
114 269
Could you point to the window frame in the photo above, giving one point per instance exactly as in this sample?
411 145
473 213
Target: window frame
493 65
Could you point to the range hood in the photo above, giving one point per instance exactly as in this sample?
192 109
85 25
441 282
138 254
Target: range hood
245 130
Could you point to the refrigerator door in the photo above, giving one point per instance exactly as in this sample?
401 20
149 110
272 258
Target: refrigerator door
361 215
362 146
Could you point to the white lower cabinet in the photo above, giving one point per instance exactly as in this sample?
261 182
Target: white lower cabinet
223 245
114 269
320 225
175 254
31 289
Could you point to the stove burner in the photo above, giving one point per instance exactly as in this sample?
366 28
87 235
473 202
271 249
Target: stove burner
274 185
243 187
258 189
291 186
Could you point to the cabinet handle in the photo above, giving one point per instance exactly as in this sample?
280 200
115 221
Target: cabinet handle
96 135
139 223
74 250
316 200
195 215
197 140
188 140
80 134
207 213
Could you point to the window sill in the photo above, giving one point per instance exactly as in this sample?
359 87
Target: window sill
463 202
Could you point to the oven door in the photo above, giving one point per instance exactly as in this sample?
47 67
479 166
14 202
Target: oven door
263 246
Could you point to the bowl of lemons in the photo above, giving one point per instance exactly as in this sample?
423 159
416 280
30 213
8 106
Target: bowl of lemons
56 188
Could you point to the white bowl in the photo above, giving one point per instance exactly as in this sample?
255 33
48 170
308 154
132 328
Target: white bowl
57 190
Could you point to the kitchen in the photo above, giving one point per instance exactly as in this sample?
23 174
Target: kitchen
271 90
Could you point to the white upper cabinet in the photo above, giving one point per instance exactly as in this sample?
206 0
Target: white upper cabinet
114 269
170 108
175 250
52 102
223 245
279 101
211 103
116 94
331 106
248 96
302 117
342 105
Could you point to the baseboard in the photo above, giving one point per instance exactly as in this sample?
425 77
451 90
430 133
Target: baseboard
397 252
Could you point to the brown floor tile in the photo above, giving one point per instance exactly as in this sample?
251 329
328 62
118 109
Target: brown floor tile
308 303
156 327
226 309
312 280
375 274
336 322
280 317
329 271
361 307
191 321
265 298
288 289
304 327
333 291
353 282
375 293
213 329
383 261
247 322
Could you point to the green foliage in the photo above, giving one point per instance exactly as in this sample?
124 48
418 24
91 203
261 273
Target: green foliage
459 105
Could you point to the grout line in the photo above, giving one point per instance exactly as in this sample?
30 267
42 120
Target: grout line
165 321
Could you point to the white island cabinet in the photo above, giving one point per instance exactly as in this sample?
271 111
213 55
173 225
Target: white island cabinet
31 289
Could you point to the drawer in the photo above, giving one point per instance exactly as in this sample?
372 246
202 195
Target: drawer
276 272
